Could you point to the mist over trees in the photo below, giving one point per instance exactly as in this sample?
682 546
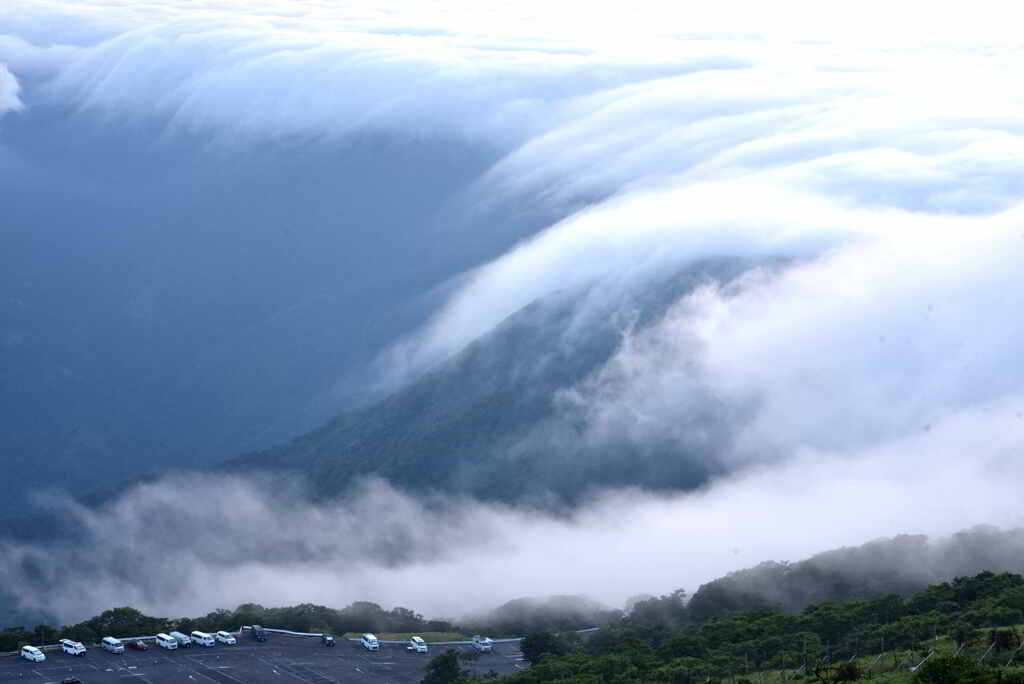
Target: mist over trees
551 614
899 565
976 612
651 644
875 575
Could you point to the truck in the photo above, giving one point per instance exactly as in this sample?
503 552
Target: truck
482 643
258 633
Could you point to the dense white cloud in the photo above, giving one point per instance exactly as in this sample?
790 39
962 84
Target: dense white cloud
879 366
865 345
751 162
252 540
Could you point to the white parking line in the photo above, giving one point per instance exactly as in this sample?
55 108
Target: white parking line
199 662
141 678
275 668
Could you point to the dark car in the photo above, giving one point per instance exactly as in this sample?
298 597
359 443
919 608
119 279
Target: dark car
138 645
258 633
72 680
327 639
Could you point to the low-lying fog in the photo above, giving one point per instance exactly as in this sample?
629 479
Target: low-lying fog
187 545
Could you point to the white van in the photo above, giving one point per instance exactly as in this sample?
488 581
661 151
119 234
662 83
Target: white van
202 638
113 644
74 648
182 639
166 641
417 645
225 638
482 643
32 653
370 642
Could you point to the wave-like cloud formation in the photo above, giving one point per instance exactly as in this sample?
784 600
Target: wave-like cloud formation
878 365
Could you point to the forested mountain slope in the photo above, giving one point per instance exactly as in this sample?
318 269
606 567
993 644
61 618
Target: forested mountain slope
964 626
900 565
487 422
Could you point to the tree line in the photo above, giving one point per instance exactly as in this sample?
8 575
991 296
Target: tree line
660 640
361 616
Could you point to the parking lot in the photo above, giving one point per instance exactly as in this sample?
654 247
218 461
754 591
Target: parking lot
281 659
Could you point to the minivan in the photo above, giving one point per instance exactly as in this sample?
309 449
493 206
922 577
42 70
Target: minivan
202 638
370 642
225 638
183 639
75 648
32 653
113 644
417 645
166 641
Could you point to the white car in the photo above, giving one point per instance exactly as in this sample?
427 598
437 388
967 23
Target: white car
202 638
482 644
225 638
74 648
166 641
112 644
417 645
184 640
32 653
370 642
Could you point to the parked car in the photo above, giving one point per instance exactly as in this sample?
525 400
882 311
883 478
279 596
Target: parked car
225 638
184 640
369 642
112 644
138 645
417 645
258 633
71 680
71 647
202 638
166 641
482 643
32 653
327 639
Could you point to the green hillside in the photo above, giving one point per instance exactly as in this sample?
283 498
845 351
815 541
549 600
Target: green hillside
482 423
964 628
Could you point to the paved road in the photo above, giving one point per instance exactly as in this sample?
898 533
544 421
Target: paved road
281 660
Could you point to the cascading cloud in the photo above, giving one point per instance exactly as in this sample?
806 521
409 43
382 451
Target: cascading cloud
882 360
